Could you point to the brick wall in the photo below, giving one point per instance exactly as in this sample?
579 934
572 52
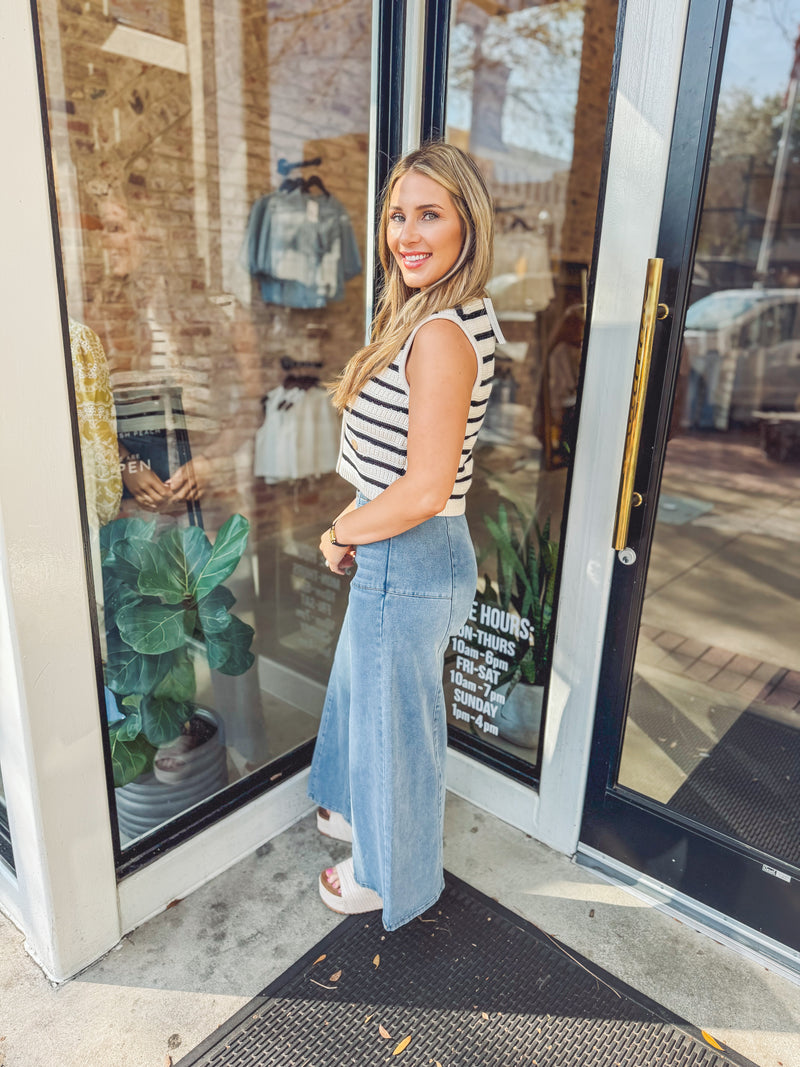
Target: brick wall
161 167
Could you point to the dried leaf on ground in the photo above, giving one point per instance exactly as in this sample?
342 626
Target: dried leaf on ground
402 1046
377 961
319 959
711 1041
335 976
484 1015
383 1031
322 984
368 1018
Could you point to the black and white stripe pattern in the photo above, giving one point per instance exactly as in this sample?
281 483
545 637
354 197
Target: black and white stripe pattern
375 426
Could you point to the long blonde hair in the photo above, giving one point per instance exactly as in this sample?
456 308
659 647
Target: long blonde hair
400 308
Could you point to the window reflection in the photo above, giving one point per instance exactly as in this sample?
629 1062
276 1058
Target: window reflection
712 729
211 159
527 96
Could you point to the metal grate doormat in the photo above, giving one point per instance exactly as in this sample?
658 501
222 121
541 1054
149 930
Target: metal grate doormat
468 983
749 786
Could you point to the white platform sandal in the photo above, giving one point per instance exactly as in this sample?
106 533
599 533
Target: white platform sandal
332 824
353 898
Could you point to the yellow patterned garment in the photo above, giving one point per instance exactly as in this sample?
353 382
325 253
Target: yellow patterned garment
97 423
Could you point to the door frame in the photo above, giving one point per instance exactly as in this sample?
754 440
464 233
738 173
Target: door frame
733 884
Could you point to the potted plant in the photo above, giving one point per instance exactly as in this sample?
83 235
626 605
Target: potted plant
164 604
525 586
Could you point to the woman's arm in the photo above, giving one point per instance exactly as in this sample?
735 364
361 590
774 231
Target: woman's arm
441 371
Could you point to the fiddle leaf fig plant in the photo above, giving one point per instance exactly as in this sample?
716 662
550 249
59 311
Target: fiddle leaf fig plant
164 603
526 578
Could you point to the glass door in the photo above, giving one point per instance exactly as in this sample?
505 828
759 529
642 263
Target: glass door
695 777
526 92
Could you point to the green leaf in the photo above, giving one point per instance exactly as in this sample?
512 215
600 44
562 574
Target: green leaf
122 529
131 726
507 547
116 594
160 577
489 594
228 549
127 558
528 672
179 681
152 628
212 610
186 550
129 758
228 652
163 718
128 671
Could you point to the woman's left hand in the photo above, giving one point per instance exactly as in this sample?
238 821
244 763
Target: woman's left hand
339 558
189 481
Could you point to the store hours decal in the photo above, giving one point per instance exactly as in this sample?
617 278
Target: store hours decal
481 654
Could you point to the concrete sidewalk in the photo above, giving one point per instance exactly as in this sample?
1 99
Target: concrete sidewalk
168 984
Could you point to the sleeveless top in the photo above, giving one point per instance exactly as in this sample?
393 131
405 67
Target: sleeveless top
372 452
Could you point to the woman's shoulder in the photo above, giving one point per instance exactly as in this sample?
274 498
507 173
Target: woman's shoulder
470 317
473 319
467 309
443 327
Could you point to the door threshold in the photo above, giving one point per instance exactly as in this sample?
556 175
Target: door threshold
742 939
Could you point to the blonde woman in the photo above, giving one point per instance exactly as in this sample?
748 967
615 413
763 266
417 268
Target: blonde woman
412 402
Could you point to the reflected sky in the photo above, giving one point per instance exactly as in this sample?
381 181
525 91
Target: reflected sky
542 48
760 47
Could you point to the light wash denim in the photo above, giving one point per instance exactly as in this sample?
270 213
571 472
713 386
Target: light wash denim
380 753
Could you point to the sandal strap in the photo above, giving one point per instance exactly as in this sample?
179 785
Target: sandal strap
335 825
354 898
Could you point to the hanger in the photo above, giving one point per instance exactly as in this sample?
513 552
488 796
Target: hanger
314 182
305 185
288 185
518 221
285 167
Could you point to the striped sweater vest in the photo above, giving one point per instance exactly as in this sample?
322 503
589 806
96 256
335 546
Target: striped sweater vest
375 427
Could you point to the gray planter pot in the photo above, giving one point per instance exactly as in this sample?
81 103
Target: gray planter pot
520 718
147 802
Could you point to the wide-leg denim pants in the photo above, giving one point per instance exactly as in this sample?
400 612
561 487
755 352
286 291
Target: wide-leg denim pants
381 748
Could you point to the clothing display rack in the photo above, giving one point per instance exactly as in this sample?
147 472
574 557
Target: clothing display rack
299 244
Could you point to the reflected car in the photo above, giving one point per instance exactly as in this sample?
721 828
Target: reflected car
742 351
520 296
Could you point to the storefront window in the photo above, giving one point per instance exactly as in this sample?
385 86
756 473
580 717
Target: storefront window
528 96
211 162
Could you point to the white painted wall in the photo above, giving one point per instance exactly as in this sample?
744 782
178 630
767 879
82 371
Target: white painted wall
49 721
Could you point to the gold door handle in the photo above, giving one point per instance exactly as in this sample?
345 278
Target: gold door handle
651 310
